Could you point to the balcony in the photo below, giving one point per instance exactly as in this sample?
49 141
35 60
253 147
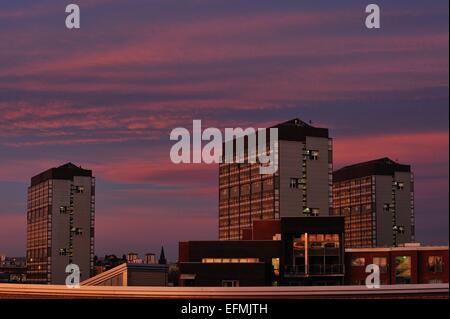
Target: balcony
314 270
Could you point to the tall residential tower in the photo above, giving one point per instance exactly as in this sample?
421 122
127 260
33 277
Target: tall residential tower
377 200
60 224
301 186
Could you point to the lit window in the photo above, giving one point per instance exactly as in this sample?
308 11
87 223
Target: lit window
312 155
77 230
381 262
276 266
229 260
402 269
230 283
399 229
399 185
311 211
79 189
435 263
295 183
358 261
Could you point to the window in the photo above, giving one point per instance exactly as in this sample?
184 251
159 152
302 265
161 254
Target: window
382 263
399 229
229 260
294 183
230 283
276 266
312 155
63 252
399 185
311 211
315 211
402 269
79 189
435 263
224 194
77 230
358 261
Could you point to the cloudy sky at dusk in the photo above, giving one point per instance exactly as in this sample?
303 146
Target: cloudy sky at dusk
107 96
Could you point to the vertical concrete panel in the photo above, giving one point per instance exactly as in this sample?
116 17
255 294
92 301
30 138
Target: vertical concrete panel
317 172
60 230
383 189
290 161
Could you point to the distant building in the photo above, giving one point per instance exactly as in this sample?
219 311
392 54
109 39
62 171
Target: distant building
133 258
126 275
12 270
377 200
13 261
103 264
301 186
150 259
60 224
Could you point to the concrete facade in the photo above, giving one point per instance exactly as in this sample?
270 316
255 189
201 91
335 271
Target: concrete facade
60 228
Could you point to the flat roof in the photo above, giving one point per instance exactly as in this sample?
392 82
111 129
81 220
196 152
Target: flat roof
65 172
387 249
189 293
381 166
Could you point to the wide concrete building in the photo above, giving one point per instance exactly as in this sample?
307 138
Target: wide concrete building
377 200
60 224
301 186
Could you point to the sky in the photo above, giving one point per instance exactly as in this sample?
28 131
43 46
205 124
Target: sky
107 96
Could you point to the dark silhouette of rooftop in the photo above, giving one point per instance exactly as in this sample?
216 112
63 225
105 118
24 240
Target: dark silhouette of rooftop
381 166
67 171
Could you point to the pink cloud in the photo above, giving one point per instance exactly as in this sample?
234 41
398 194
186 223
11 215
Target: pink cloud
13 234
422 148
148 234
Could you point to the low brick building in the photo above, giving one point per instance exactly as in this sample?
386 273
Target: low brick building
410 264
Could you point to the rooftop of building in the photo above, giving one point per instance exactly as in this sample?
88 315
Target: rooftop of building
381 166
66 172
123 269
297 130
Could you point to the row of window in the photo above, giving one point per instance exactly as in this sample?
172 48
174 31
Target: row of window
230 260
435 264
